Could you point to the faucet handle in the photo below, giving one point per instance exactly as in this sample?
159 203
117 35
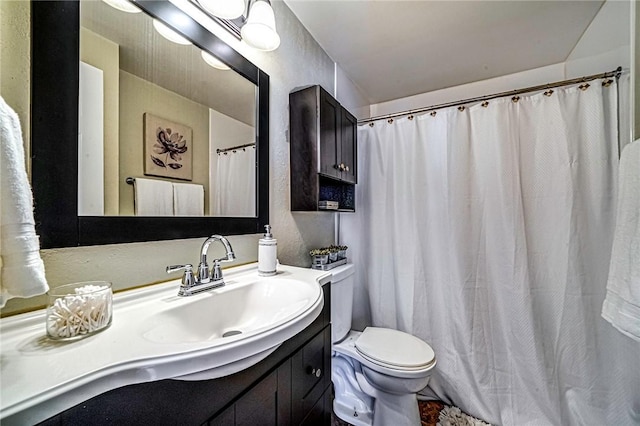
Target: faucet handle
187 277
217 270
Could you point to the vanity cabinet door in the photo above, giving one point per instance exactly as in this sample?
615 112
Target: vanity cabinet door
308 372
259 406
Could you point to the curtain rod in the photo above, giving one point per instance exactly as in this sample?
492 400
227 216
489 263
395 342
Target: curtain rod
246 145
615 73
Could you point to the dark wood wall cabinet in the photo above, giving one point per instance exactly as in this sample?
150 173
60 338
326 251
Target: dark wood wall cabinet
323 148
292 386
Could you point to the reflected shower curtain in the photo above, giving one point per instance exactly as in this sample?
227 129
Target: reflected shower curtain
487 232
235 185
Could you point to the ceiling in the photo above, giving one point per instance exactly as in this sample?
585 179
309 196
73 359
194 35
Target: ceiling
394 48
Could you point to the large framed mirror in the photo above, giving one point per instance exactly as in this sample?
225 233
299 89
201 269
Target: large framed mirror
91 143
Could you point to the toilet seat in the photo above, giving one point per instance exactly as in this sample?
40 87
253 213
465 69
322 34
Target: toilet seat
348 348
394 349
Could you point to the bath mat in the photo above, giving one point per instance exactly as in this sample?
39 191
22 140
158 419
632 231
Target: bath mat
452 416
435 413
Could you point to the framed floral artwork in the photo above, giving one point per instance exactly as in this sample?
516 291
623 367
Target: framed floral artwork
167 148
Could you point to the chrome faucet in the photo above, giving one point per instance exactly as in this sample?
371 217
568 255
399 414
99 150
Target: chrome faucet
205 279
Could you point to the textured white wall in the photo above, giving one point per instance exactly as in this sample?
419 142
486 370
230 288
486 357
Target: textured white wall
298 62
605 44
504 83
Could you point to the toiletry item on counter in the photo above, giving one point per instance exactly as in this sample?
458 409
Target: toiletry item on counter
267 252
327 258
79 310
328 205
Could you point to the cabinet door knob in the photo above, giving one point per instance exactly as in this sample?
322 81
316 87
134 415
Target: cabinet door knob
314 371
346 168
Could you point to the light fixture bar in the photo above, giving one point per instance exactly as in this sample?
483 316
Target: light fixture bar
225 9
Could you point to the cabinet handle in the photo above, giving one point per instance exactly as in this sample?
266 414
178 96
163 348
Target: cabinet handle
314 371
346 168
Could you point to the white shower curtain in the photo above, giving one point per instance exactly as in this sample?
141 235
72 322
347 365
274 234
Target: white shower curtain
235 184
487 232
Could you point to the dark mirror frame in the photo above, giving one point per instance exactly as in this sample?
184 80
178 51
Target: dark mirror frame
55 53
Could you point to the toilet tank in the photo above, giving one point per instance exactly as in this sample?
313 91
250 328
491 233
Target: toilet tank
342 283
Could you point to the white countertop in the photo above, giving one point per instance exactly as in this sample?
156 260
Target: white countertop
40 377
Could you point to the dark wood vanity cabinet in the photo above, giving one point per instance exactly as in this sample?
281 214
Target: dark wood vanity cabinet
323 150
292 386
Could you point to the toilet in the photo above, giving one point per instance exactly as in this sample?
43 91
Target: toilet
375 373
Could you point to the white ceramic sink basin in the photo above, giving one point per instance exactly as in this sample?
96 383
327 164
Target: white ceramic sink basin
155 335
234 312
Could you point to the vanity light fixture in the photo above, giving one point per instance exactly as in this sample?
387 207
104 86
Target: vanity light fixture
123 5
255 24
213 61
225 9
259 31
169 34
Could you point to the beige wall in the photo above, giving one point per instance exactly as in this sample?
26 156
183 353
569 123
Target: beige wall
104 54
15 61
138 96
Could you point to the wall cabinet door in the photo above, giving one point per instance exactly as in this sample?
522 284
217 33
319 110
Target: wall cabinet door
330 116
338 136
348 147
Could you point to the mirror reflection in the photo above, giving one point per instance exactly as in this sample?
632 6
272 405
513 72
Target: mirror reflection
164 128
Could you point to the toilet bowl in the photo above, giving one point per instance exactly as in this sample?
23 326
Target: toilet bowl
376 373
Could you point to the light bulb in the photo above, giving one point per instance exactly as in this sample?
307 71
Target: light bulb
123 5
225 9
260 29
213 61
169 34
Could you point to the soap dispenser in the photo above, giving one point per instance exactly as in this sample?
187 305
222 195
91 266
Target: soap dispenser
267 251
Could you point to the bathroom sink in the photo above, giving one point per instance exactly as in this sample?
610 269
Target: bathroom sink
156 335
231 313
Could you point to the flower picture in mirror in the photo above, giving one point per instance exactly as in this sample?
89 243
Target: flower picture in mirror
167 148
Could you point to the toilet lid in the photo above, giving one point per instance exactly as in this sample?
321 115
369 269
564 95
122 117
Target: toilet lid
394 348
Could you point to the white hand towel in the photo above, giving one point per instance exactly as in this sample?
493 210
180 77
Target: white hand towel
22 268
153 197
622 304
188 199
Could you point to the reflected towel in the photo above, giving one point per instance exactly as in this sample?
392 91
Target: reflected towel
153 197
22 268
188 199
622 304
